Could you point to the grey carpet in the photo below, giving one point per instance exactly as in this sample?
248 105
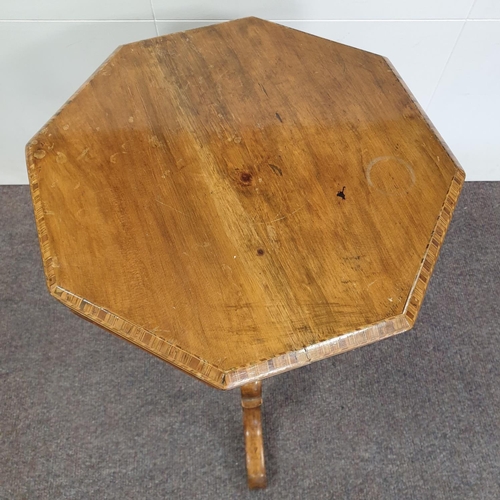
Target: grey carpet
85 415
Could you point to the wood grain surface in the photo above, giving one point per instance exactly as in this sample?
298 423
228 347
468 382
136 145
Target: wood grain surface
242 199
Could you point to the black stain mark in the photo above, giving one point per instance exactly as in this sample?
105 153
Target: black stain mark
276 169
260 251
341 194
246 178
279 117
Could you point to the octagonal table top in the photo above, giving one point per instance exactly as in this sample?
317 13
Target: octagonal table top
242 199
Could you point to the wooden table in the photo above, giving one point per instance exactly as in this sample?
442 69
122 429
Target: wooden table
241 200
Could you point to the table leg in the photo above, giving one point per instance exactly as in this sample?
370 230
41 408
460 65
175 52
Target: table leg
251 401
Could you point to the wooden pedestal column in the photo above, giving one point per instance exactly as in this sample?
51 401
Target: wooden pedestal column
251 401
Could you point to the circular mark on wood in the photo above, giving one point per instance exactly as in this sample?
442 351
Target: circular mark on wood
60 157
39 154
246 178
260 251
390 175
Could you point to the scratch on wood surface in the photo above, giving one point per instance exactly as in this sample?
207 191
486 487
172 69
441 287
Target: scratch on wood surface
285 216
222 75
276 169
82 154
157 329
154 141
112 158
344 69
273 235
161 203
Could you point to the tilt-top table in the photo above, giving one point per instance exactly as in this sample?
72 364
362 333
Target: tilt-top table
241 200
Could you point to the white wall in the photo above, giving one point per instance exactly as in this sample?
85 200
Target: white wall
448 52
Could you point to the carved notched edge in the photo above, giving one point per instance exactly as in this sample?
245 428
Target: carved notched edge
421 282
